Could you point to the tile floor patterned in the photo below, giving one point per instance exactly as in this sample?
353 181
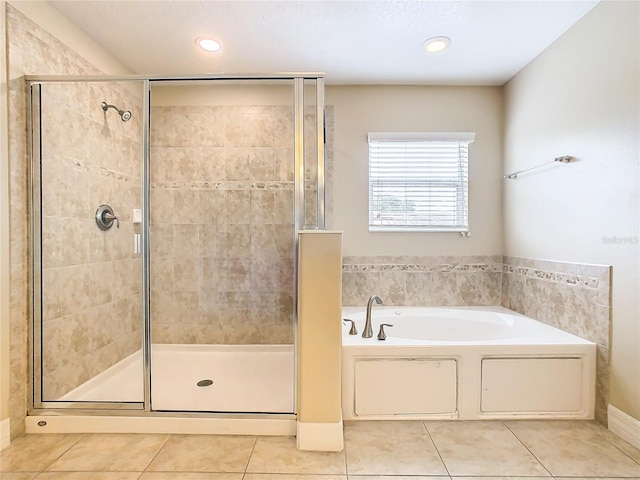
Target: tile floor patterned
279 455
112 453
483 448
573 450
204 453
403 450
371 449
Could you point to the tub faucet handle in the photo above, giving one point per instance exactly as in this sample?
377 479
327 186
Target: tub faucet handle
381 334
352 330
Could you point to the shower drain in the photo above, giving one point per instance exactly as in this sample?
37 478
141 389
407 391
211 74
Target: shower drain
205 383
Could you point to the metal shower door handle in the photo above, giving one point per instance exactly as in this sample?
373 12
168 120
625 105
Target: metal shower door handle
105 217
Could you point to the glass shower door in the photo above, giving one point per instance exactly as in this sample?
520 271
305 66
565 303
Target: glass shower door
87 159
222 246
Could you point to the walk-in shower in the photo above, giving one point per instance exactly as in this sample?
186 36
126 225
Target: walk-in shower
188 305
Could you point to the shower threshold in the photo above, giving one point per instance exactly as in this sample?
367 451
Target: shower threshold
165 423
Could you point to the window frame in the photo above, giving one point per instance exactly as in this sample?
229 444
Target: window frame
461 225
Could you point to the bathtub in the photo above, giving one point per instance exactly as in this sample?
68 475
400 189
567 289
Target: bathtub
464 363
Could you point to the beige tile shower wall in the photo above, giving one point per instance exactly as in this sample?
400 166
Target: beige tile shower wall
91 279
572 297
423 281
222 224
30 50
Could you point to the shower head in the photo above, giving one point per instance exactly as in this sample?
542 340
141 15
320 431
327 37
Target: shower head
125 115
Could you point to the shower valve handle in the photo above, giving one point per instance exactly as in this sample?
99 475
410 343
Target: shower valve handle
105 217
110 218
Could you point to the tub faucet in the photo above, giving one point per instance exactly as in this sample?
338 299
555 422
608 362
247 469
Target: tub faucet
368 331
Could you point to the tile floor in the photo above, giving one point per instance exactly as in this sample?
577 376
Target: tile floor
525 450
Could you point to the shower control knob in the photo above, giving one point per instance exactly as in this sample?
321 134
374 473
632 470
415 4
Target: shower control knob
105 217
110 218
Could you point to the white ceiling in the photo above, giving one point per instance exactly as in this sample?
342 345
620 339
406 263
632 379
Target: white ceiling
353 42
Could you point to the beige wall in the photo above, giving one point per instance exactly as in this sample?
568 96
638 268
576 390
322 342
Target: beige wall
580 97
362 109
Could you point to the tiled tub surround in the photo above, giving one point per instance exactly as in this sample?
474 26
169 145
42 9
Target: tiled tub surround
572 297
423 281
91 279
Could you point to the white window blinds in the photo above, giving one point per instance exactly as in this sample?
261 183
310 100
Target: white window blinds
419 181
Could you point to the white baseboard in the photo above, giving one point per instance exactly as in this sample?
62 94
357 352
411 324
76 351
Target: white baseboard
5 433
320 437
625 426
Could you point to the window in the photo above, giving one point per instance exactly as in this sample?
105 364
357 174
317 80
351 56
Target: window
419 181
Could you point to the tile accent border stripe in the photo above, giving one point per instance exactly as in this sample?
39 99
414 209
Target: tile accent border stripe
226 185
623 425
442 267
558 277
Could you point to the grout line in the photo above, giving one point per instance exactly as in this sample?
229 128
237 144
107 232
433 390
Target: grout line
57 472
253 448
157 453
63 453
424 425
528 449
592 427
344 442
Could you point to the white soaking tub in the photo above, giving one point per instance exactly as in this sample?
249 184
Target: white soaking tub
464 363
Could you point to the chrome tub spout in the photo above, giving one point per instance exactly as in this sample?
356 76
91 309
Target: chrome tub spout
368 330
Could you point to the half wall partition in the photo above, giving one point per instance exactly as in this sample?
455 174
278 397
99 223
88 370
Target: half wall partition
165 214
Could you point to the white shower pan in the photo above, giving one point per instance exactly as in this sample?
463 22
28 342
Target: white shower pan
201 378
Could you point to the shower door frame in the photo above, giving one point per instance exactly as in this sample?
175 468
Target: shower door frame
36 405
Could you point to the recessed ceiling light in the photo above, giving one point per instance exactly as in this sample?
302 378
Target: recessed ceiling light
436 44
209 44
